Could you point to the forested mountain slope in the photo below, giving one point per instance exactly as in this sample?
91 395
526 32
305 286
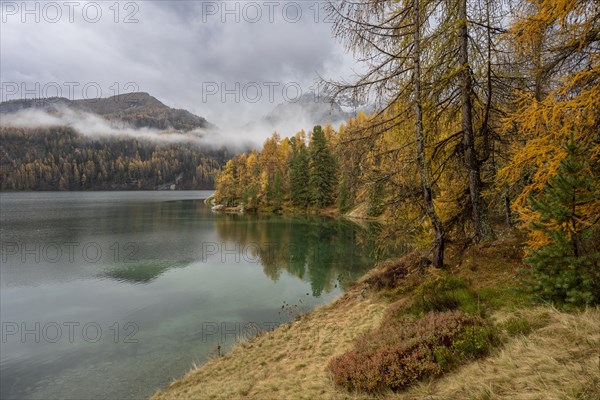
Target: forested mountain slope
130 141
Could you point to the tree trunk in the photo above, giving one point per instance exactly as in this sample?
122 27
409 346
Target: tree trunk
483 230
507 209
439 240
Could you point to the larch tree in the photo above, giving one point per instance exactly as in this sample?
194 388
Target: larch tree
565 36
478 207
322 178
555 153
299 172
387 36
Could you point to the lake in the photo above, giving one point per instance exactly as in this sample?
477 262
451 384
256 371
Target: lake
115 294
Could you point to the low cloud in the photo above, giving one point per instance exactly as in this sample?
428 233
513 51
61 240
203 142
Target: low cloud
96 127
285 119
186 45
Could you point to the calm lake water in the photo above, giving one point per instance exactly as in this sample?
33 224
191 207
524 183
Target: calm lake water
112 295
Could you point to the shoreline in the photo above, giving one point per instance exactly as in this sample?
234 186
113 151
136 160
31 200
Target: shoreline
292 360
357 214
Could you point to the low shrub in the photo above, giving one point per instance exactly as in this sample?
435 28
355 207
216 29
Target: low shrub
390 276
517 326
445 293
405 350
503 296
524 324
475 342
403 273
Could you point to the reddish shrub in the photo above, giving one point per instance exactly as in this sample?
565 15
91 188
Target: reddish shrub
406 350
389 277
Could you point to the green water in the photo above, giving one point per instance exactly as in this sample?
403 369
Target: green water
114 294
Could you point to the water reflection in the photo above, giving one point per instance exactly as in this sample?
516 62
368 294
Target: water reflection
155 272
324 251
141 273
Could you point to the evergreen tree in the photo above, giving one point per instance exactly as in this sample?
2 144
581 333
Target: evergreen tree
565 260
277 190
344 197
376 195
299 172
322 170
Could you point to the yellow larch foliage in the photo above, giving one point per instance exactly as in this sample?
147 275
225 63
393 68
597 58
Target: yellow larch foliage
565 35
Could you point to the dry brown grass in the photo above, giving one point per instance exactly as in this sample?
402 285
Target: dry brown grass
289 362
559 359
488 264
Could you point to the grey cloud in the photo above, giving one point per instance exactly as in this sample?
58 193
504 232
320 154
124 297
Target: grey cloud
94 126
172 51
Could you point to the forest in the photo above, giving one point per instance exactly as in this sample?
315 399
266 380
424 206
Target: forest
489 120
61 159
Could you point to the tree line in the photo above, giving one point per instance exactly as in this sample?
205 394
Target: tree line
489 115
323 252
62 159
298 171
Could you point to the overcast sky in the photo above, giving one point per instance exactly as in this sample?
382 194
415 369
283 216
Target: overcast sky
185 53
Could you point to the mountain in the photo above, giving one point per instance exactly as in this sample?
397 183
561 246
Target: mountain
309 110
316 109
62 144
139 110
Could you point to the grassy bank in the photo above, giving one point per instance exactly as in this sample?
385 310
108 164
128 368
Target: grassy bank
543 352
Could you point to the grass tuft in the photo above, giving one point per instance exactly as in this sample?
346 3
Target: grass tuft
547 353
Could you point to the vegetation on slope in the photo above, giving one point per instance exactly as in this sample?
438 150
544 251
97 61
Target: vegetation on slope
469 133
488 113
537 351
62 159
136 109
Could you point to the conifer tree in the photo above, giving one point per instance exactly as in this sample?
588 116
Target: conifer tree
566 267
278 190
344 201
322 170
299 172
376 195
